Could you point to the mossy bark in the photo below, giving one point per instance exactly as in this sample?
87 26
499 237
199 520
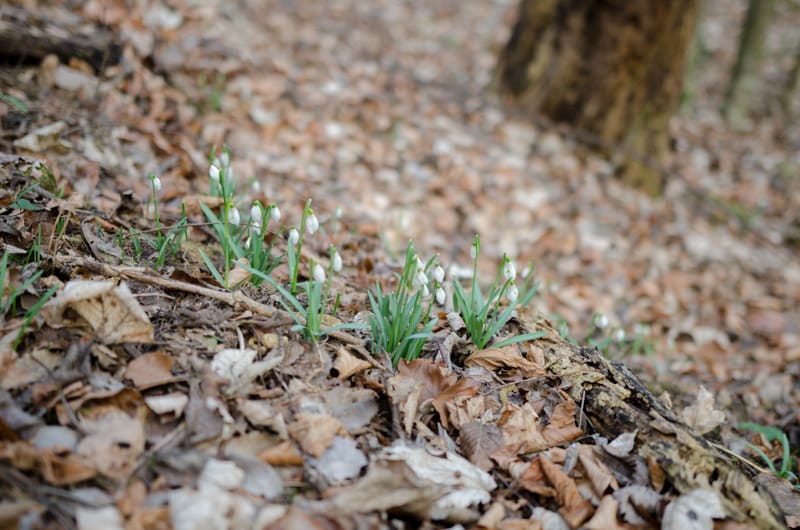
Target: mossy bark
744 76
612 69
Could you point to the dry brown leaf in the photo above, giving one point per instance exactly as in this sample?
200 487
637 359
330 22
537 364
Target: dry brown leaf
508 357
347 364
283 454
111 310
150 369
114 443
605 517
315 432
534 480
701 415
574 508
599 475
53 466
478 441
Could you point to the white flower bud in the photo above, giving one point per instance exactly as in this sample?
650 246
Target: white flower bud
509 271
255 217
312 224
438 273
319 273
473 251
420 265
233 216
601 321
294 236
619 335
425 291
225 159
337 213
156 182
213 172
420 279
336 262
275 214
526 272
512 293
440 296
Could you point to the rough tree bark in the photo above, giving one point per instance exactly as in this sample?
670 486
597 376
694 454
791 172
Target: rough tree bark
612 69
615 402
744 76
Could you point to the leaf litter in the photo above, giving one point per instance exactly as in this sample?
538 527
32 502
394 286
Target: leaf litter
132 384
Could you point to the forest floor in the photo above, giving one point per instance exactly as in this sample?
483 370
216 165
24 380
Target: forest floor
201 409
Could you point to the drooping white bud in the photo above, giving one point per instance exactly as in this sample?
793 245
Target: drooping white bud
319 273
509 271
213 172
601 321
225 159
512 293
156 182
425 291
312 223
336 261
441 296
233 216
294 236
473 251
275 214
255 217
420 279
619 335
438 273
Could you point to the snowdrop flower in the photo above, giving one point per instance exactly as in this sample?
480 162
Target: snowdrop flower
420 279
274 213
438 273
318 273
312 223
601 321
156 182
294 236
336 260
425 291
440 296
509 271
619 335
337 213
225 159
526 272
233 216
473 250
255 217
255 186
213 172
641 329
512 293
420 265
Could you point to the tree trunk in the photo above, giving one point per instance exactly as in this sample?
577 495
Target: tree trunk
612 69
745 72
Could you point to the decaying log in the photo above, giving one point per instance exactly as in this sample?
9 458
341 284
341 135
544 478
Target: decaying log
25 36
615 402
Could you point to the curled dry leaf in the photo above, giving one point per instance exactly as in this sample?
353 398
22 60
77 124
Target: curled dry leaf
150 369
347 364
508 357
110 310
695 510
315 432
173 403
51 464
701 415
574 508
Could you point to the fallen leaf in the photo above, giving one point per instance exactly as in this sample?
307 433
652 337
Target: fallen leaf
149 370
54 467
574 508
701 415
509 357
695 510
341 461
111 310
114 443
315 432
346 364
173 403
605 517
479 441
